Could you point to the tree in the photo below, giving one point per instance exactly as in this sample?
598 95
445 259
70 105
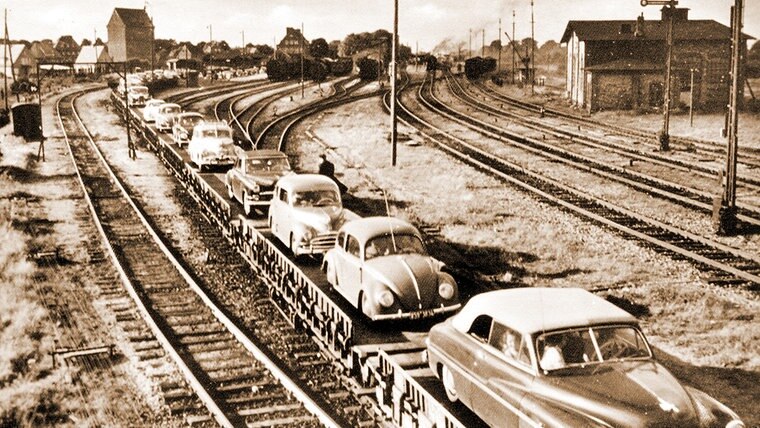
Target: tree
319 48
86 42
265 50
165 44
495 45
334 48
752 65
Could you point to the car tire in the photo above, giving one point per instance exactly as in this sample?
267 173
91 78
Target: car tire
449 385
230 193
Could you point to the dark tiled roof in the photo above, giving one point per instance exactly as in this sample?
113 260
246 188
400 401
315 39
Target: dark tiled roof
705 29
626 65
133 17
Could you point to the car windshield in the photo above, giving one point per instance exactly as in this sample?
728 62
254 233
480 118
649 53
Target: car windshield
594 345
190 121
215 133
386 245
171 109
142 90
273 164
316 198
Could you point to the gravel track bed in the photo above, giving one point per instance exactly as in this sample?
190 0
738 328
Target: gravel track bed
605 189
496 237
222 272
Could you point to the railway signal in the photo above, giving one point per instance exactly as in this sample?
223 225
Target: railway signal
664 136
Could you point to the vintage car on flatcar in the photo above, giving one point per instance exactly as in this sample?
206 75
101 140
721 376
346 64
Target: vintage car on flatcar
212 145
306 212
138 95
559 357
182 128
380 265
251 180
165 116
151 108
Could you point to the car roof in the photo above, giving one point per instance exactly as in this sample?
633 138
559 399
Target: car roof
156 101
211 125
534 310
298 182
263 154
369 227
167 105
190 113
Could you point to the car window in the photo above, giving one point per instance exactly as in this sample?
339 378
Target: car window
511 343
481 328
283 195
385 245
341 240
316 198
274 164
596 345
353 246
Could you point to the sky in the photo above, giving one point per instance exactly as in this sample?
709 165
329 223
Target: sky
422 23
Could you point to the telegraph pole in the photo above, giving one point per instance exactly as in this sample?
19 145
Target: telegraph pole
498 66
209 34
691 97
514 64
242 33
394 134
301 46
724 214
483 43
6 48
532 69
469 51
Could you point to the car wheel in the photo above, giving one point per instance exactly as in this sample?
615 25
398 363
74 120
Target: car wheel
363 303
449 385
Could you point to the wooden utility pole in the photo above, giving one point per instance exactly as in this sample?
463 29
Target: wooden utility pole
483 43
691 97
6 49
469 51
498 64
394 134
512 42
724 214
301 46
532 68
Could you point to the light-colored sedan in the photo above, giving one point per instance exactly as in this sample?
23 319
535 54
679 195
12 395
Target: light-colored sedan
138 95
165 116
561 357
306 212
380 265
184 123
150 109
251 180
212 145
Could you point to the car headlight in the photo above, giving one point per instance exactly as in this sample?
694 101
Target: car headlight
307 235
446 290
385 298
183 135
735 424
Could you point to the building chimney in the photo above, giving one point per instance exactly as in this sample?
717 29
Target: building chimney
639 31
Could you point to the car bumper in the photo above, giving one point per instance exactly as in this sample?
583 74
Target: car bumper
425 313
217 161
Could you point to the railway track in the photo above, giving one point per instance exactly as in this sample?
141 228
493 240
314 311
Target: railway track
723 265
230 375
275 134
701 148
604 161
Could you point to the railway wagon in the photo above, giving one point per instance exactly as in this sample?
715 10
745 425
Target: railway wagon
369 69
476 67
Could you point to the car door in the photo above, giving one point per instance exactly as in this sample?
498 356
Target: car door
236 178
504 373
279 204
351 270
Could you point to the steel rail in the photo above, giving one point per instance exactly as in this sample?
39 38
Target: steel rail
705 145
664 189
220 316
496 166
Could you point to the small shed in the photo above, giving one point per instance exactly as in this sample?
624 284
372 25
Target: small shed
27 122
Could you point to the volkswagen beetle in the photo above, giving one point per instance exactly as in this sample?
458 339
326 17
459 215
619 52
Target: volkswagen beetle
555 357
380 265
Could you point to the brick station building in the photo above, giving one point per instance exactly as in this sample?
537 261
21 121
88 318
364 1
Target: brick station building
130 35
620 65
